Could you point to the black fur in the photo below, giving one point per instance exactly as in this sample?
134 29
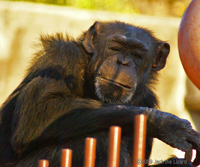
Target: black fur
56 105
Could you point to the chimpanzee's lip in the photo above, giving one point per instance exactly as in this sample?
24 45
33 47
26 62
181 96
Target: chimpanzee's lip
115 83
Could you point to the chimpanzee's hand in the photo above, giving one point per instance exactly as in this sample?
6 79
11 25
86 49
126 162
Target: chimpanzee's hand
176 132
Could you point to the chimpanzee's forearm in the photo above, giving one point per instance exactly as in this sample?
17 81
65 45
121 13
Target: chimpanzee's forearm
86 121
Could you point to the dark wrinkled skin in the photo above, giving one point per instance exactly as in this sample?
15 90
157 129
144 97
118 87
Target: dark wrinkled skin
79 88
182 135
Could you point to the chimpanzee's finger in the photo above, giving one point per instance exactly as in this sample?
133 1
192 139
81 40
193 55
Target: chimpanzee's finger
195 139
196 162
186 147
188 155
195 133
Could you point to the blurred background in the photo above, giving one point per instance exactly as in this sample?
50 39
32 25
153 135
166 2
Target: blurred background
22 22
149 7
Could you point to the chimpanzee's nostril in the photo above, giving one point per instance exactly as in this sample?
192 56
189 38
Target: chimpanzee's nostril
123 60
119 62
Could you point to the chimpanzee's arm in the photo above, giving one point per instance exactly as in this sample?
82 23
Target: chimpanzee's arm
174 131
54 116
46 112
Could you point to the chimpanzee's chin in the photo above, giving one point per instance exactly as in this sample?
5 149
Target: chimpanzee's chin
111 92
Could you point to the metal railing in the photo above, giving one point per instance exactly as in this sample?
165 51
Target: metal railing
114 147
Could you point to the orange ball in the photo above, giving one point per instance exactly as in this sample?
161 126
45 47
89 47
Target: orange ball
189 42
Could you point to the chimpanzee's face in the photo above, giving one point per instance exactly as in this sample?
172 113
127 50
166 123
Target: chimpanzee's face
117 76
124 58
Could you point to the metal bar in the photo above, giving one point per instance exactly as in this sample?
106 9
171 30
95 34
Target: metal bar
43 163
66 158
90 152
114 146
140 141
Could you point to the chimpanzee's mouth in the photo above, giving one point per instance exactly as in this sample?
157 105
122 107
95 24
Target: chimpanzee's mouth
109 81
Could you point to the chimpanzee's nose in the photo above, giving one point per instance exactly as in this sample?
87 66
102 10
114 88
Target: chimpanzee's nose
123 60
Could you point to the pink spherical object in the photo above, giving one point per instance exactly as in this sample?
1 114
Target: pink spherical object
189 42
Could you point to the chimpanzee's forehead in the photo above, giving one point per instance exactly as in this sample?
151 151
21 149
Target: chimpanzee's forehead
130 31
138 33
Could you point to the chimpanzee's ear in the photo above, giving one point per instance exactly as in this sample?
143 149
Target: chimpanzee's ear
88 40
161 56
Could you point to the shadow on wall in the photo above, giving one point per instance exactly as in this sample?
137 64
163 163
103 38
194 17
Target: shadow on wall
22 23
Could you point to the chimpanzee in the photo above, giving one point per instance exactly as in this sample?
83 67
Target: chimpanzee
79 88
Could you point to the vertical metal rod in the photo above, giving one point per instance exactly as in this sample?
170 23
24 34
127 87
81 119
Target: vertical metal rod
66 158
114 146
90 152
43 163
139 141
